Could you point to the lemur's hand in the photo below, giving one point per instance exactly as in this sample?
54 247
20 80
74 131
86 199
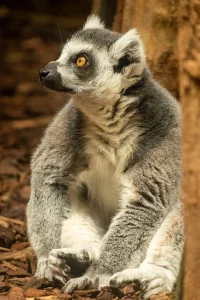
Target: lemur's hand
66 263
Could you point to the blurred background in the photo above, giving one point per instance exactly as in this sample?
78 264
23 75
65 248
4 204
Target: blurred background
31 34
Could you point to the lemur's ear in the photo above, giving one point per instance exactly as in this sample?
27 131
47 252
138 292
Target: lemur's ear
128 51
93 22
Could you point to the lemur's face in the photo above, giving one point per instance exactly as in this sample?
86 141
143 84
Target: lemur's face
96 62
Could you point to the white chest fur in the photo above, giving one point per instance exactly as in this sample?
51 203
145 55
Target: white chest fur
103 189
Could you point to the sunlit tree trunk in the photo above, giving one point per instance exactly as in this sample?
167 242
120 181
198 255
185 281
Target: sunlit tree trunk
189 62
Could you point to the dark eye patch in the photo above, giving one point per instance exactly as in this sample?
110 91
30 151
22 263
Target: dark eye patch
87 71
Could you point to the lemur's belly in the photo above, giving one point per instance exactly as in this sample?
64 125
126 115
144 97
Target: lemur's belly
96 190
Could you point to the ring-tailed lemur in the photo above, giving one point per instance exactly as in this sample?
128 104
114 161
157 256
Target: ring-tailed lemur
105 204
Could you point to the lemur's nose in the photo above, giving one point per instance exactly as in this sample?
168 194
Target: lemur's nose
48 72
51 78
43 74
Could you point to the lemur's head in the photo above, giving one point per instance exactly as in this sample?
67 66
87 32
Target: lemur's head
96 63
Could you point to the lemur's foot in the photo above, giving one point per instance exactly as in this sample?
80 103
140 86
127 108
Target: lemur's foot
153 279
43 270
66 263
92 279
81 283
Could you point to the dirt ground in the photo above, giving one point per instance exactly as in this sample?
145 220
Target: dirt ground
25 110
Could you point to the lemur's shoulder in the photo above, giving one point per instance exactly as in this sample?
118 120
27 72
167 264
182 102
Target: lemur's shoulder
62 143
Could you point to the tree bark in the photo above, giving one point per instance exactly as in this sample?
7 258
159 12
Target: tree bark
189 66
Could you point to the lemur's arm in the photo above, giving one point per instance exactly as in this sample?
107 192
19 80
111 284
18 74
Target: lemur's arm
48 206
45 216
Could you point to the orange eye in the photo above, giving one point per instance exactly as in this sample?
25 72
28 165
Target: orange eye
81 61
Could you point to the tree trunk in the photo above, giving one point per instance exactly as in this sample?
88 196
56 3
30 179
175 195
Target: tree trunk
189 63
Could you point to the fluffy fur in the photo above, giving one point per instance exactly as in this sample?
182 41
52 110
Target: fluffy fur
105 205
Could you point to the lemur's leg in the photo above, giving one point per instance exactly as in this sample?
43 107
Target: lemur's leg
159 270
80 240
